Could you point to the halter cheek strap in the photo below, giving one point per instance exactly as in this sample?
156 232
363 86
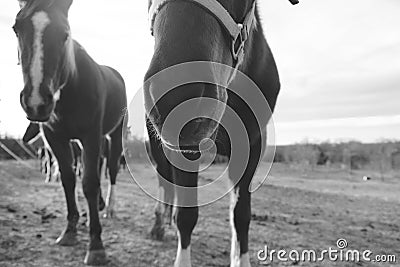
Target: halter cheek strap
239 32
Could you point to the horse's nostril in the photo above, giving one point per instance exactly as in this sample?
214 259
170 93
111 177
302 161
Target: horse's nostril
48 99
43 110
29 110
22 100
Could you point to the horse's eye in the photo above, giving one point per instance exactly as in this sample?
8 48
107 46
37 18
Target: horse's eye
15 29
66 36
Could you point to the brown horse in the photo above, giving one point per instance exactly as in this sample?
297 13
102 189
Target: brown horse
71 97
228 33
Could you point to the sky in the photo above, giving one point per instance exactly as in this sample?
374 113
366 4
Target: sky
339 63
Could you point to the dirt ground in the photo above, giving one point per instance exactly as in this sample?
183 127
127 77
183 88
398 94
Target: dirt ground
294 209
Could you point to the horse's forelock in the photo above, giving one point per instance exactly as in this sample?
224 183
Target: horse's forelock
28 7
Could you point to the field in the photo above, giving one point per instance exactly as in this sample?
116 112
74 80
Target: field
294 209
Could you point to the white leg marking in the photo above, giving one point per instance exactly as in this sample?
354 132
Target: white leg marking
237 260
159 209
103 170
182 255
245 260
40 21
43 164
110 201
235 249
56 173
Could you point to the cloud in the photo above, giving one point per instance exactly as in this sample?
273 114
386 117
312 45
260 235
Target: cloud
337 59
365 129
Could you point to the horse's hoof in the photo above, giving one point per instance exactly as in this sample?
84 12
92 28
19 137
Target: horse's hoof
157 233
96 257
109 214
67 239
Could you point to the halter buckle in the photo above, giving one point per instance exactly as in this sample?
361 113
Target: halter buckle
238 50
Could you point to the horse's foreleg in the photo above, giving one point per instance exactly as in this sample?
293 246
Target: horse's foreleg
157 232
56 173
113 168
169 199
91 188
240 209
64 157
110 198
187 212
48 166
166 198
102 169
240 215
42 165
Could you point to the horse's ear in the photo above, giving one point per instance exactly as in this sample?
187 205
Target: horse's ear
64 4
22 3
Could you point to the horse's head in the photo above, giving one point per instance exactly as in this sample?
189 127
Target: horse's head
45 53
188 31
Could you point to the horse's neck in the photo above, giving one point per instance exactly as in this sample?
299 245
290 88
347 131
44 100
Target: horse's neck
82 64
259 64
252 45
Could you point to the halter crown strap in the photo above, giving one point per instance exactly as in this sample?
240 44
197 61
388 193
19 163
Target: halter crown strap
237 31
214 7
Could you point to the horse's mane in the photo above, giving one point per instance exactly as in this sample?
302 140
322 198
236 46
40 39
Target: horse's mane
70 63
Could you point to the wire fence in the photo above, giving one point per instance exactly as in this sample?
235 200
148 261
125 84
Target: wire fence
15 156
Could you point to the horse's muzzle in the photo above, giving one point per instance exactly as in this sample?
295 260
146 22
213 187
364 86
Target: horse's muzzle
197 135
39 111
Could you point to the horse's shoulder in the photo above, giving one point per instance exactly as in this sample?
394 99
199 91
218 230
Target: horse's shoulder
111 74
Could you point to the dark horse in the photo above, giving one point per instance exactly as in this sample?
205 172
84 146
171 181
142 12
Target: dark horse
71 97
229 33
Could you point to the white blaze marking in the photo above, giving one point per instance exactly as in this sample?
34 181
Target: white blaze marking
40 21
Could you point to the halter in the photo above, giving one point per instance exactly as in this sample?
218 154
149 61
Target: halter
239 32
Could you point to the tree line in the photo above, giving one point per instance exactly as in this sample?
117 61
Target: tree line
353 155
